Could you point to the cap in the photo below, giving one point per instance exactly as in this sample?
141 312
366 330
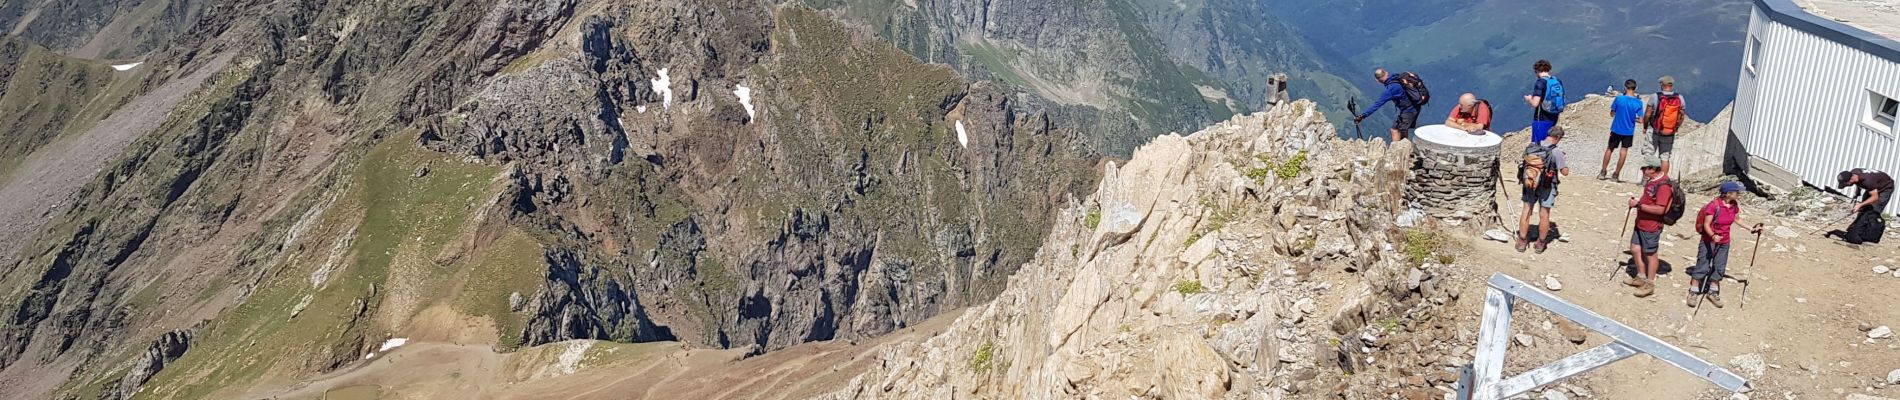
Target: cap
1652 162
1556 132
1843 179
1667 80
1732 187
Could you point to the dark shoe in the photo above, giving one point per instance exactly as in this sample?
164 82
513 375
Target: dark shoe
1521 245
1541 247
1715 299
1603 175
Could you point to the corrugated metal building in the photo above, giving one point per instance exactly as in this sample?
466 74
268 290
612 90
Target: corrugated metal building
1817 96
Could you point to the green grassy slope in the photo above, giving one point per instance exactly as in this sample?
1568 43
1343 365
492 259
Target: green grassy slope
42 93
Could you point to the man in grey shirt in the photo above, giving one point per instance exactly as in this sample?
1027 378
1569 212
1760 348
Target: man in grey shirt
1544 197
1663 140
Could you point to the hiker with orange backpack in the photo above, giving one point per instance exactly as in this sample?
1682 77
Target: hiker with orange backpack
1665 112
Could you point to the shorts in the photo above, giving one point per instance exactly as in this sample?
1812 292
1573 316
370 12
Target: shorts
1711 262
1664 144
1621 141
1406 123
1541 130
1648 240
1544 198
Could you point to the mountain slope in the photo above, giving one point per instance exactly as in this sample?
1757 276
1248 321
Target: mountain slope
1150 67
99 28
507 174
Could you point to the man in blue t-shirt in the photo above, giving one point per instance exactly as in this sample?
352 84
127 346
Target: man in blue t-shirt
1542 120
1624 114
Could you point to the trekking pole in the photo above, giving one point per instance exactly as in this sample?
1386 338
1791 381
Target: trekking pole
1626 229
1751 266
1352 106
1831 223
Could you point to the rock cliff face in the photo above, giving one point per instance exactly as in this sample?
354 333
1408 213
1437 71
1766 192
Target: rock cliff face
328 175
1254 259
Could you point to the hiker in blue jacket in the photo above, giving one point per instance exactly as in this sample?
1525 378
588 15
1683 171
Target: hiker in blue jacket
1395 93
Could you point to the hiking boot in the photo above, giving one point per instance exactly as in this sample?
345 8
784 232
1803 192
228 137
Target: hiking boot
1692 297
1715 299
1645 290
1633 282
1541 247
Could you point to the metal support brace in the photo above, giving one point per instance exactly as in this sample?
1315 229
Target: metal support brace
1487 380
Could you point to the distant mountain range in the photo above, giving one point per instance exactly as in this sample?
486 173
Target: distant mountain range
1487 46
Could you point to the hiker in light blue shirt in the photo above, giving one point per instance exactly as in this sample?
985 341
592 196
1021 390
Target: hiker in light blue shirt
1625 113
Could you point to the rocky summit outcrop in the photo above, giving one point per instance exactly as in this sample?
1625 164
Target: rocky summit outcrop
1254 259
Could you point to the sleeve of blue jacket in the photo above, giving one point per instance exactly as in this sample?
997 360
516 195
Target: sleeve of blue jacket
1392 93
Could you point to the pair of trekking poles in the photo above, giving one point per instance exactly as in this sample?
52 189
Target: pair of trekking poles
1756 250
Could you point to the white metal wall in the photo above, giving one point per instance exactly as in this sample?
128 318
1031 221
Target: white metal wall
1802 109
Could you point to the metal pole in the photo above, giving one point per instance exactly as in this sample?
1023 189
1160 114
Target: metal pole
1626 233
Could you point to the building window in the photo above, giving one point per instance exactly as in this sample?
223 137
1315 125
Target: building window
1882 111
1754 55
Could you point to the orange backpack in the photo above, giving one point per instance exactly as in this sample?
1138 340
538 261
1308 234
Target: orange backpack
1668 113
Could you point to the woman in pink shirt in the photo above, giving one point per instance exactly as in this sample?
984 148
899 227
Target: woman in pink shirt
1711 261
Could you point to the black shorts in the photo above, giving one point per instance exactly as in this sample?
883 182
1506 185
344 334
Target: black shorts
1406 123
1622 141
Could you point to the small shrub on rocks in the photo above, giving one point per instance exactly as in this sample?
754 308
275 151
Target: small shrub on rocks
984 358
1421 245
1189 288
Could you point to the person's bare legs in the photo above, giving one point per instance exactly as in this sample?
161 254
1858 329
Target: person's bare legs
1638 258
1543 226
1605 169
1524 223
1620 157
1650 266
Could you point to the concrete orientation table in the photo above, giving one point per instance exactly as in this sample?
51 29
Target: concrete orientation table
1454 174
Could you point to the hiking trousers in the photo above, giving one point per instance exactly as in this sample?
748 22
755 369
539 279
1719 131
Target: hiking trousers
1711 262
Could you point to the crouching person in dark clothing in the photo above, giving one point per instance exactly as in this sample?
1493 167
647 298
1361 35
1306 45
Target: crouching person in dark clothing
1875 189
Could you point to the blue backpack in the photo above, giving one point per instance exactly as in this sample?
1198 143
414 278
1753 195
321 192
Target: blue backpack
1553 96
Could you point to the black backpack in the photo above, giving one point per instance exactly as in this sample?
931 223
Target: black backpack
1415 89
1677 205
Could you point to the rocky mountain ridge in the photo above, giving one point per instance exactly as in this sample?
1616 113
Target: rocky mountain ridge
1254 259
